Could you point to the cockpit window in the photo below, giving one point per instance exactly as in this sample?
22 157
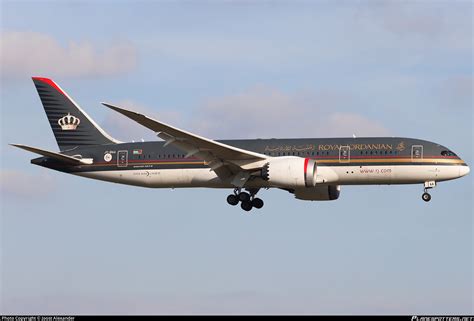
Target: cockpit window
447 153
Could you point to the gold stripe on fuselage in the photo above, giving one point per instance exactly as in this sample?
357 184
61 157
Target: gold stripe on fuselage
319 161
393 160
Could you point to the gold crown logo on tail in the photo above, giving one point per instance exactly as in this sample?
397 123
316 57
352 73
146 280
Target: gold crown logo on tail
69 122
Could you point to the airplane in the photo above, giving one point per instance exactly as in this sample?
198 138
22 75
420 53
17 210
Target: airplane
312 169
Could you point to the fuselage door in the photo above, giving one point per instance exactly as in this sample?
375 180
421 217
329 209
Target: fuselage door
122 158
416 152
344 154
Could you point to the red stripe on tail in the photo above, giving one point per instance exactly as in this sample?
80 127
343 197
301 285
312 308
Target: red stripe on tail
49 82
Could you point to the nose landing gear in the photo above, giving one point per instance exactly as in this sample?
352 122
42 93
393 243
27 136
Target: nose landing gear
426 196
428 185
248 200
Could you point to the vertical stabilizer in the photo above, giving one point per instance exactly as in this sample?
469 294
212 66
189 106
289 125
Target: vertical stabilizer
70 124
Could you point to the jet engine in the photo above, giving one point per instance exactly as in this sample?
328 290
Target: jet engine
290 172
318 193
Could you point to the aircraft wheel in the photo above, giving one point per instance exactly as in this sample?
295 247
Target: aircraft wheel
232 199
426 197
246 206
244 197
257 203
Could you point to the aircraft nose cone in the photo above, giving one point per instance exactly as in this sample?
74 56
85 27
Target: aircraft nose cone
464 170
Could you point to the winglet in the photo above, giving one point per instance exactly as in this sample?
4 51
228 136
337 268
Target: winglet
128 113
110 106
117 108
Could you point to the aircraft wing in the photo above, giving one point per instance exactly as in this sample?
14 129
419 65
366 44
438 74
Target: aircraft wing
225 160
61 157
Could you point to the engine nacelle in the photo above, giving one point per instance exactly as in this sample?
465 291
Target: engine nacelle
318 193
290 172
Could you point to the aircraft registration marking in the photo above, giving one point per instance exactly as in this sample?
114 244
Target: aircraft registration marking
375 170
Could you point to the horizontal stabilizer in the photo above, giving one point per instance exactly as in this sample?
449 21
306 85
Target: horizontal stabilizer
60 157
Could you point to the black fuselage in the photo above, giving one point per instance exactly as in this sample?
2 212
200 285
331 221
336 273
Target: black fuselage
393 151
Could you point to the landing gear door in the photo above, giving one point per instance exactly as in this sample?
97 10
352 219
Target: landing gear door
122 158
416 152
344 154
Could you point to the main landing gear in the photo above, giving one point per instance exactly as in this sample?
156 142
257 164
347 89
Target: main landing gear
426 196
247 200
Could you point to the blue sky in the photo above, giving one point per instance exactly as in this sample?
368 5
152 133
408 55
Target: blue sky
237 70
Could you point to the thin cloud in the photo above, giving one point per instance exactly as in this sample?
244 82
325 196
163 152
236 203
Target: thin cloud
258 112
267 113
351 123
406 18
25 186
33 53
417 19
457 93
